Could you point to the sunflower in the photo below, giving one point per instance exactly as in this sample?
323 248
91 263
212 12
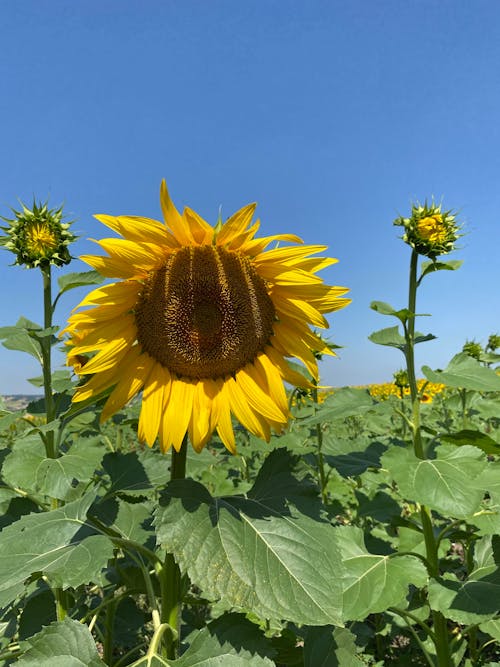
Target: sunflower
201 320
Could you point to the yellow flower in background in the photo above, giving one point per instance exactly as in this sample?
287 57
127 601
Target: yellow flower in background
201 321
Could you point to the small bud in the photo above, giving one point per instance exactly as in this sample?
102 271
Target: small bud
401 379
38 237
473 349
429 230
493 343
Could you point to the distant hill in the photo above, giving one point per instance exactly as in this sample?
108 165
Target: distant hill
17 401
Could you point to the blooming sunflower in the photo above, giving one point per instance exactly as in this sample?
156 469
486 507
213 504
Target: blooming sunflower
201 320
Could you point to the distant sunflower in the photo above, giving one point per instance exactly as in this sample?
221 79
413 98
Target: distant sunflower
201 321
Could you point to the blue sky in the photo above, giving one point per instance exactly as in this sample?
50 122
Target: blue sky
332 115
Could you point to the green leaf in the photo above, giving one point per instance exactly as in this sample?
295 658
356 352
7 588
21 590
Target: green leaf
61 381
342 403
331 647
59 544
39 610
66 643
389 336
55 477
352 457
132 521
20 466
386 309
471 437
229 641
466 373
259 553
430 267
371 583
450 484
83 279
136 472
477 598
21 341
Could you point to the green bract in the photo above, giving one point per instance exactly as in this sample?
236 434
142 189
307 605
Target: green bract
38 236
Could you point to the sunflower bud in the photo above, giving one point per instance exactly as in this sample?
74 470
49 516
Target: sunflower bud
38 237
493 343
429 230
401 379
473 349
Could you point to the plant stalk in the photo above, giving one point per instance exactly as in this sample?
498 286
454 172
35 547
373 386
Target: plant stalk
170 574
440 637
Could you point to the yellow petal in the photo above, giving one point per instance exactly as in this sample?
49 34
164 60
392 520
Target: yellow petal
289 253
173 219
201 231
177 414
143 255
236 224
239 406
113 294
156 386
110 355
112 268
257 398
133 373
299 310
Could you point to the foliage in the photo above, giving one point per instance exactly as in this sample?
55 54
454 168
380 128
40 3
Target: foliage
368 534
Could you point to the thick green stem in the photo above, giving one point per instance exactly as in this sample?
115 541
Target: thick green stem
46 345
431 544
170 574
410 356
319 456
50 410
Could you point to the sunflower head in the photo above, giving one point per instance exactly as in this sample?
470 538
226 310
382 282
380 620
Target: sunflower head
429 230
201 320
38 237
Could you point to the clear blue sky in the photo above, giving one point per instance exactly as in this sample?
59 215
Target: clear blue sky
332 115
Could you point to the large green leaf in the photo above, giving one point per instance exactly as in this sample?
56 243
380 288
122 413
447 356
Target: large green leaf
56 477
351 457
371 582
476 599
331 647
229 641
450 484
343 403
475 438
465 372
59 544
259 553
137 472
20 466
66 643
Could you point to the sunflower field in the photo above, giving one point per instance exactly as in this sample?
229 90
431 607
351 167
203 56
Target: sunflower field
187 493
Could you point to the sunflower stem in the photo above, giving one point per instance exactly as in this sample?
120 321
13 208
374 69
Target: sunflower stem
440 629
170 575
319 456
46 347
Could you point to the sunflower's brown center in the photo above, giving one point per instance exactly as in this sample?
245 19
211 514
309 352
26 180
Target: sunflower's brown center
205 313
